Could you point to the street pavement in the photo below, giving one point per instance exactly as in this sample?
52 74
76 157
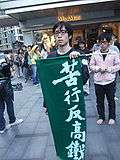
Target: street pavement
32 140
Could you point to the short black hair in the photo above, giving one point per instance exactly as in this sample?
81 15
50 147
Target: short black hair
21 50
29 46
67 26
81 42
78 38
106 36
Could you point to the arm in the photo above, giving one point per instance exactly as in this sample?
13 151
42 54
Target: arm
93 65
116 66
85 71
39 54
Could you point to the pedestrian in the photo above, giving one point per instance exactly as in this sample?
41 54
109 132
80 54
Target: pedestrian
63 34
81 47
47 46
105 63
95 46
6 98
26 64
34 55
114 43
116 49
10 59
75 43
19 62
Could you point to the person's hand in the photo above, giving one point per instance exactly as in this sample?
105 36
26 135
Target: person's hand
39 54
74 54
103 68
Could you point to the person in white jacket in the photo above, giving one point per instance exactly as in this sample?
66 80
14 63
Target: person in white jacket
105 63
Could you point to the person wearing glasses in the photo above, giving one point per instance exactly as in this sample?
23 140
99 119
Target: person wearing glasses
63 34
105 63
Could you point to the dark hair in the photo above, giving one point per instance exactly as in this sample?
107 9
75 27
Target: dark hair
20 49
43 47
81 42
67 26
29 46
32 45
78 38
106 36
25 46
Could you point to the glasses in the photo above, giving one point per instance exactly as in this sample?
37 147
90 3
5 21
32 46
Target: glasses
62 32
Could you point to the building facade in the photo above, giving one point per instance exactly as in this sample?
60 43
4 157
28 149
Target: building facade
9 36
88 18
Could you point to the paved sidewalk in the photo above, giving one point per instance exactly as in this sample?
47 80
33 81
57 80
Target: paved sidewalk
103 141
32 140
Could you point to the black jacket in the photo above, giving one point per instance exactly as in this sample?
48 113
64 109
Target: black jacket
5 81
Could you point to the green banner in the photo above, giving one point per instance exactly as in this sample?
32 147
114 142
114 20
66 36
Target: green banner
62 88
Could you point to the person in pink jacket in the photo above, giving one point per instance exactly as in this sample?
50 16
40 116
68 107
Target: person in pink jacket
105 63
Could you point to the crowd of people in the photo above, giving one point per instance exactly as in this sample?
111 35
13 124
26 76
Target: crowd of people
103 60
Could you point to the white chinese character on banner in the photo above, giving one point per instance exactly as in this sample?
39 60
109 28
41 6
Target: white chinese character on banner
74 94
71 78
76 151
67 99
74 113
68 67
78 134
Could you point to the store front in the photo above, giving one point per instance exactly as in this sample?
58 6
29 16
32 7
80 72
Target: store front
87 21
88 32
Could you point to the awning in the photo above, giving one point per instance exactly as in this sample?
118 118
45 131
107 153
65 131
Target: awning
52 5
6 20
26 12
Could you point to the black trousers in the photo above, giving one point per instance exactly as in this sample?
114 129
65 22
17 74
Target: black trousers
6 100
109 91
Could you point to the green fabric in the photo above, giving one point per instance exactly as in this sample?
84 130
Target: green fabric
66 107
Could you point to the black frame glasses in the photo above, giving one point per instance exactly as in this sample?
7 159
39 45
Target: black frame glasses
62 32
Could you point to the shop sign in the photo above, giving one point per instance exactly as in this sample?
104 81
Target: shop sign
69 18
